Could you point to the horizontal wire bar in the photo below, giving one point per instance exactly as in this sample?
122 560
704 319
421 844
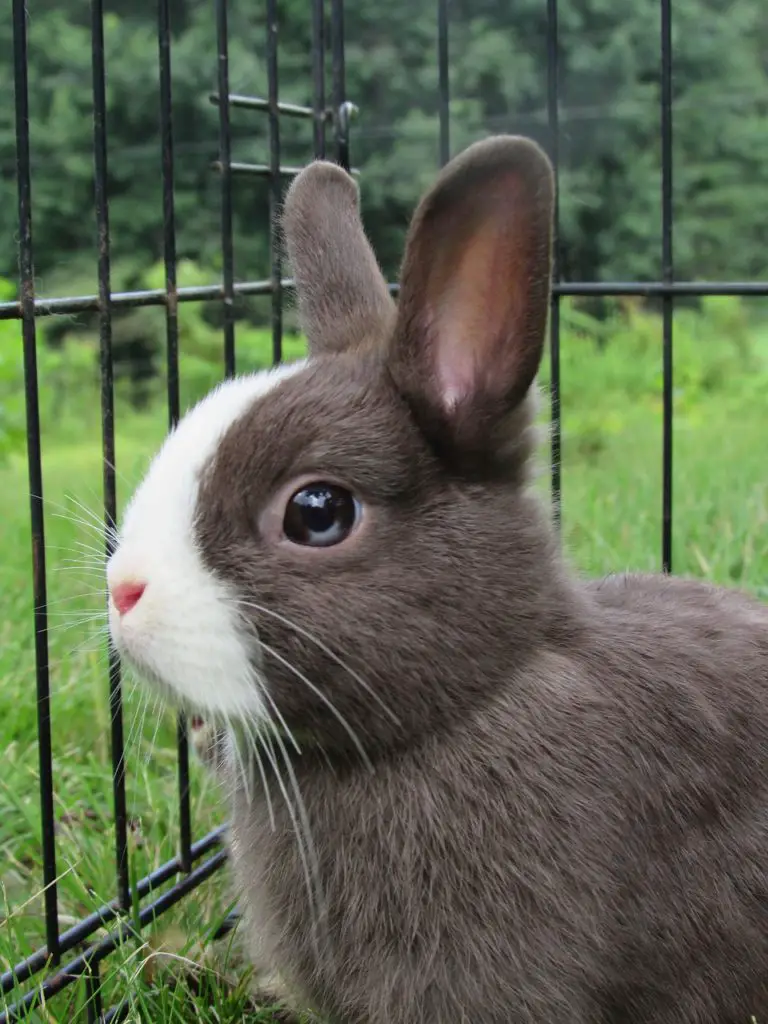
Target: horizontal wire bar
74 936
121 1011
288 109
265 171
129 300
257 170
694 289
652 289
117 1014
229 923
99 950
213 292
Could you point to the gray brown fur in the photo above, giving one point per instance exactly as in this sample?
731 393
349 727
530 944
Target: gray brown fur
568 821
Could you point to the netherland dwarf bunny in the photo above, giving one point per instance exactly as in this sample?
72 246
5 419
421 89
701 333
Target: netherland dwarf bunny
480 789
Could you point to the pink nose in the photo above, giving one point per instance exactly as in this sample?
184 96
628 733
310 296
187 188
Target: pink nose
127 595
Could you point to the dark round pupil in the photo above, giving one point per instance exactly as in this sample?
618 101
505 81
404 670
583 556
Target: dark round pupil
321 514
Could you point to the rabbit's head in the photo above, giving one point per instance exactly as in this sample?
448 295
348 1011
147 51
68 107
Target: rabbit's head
344 547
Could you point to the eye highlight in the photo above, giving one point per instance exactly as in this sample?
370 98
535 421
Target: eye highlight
320 515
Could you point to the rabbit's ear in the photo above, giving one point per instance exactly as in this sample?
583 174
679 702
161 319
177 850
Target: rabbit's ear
475 289
342 295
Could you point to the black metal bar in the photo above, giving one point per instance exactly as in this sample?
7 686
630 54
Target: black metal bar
93 995
653 289
553 115
227 246
275 196
444 99
339 84
257 170
100 918
169 212
123 1008
117 1014
99 950
320 114
172 353
34 460
667 270
100 178
229 923
215 292
284 109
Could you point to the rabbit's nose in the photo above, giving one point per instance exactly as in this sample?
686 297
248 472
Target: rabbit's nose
126 596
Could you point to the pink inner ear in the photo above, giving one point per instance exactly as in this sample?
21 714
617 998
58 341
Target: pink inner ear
473 321
454 364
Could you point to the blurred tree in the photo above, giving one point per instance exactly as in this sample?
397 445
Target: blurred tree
609 118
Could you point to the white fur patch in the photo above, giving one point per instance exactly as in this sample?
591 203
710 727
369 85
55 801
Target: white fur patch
184 630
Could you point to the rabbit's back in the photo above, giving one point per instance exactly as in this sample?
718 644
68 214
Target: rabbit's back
689 662
592 845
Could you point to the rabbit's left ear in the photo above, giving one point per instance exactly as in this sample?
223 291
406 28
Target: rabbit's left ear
475 288
342 295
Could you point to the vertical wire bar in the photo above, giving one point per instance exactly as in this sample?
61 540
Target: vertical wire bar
108 425
444 82
318 77
34 462
94 1011
172 355
667 277
225 161
553 117
274 183
339 83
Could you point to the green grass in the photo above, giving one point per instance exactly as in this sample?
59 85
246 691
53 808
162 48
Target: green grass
611 520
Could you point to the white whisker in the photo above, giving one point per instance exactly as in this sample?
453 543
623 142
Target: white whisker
326 650
241 767
100 519
304 842
325 699
158 712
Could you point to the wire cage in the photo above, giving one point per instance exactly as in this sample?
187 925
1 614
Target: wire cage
62 962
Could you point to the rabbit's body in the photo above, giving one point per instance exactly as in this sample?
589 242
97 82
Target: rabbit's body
498 794
511 870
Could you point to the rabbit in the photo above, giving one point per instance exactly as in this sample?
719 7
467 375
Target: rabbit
466 784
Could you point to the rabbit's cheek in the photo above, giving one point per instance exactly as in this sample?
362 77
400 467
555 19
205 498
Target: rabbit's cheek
179 625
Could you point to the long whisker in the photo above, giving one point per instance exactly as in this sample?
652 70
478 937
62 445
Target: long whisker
91 549
101 594
241 766
253 734
97 636
98 529
60 628
130 484
326 650
264 782
304 842
158 712
50 503
266 695
325 699
138 714
98 518
91 572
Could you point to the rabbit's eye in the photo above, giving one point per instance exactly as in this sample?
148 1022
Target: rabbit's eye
320 515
